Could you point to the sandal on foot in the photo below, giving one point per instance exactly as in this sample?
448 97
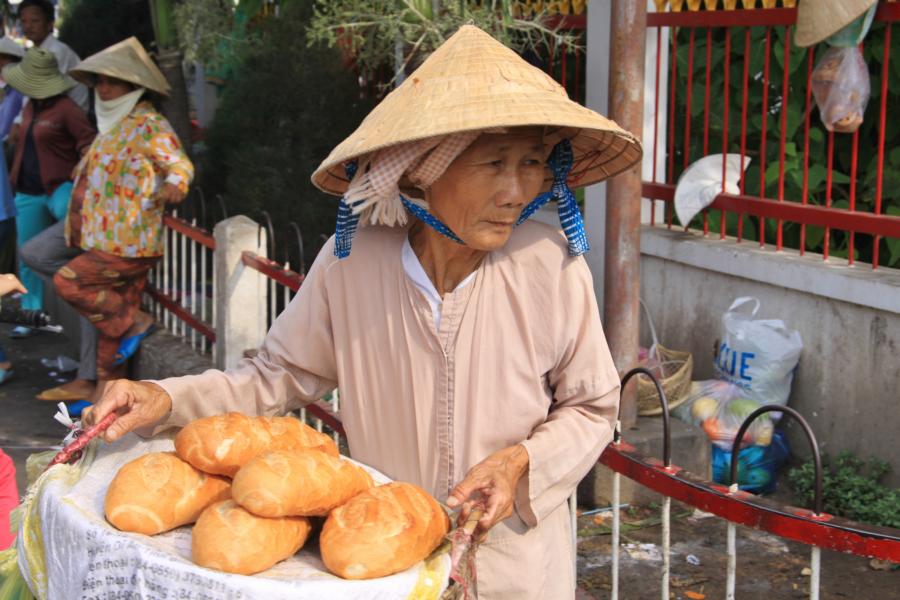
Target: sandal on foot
129 346
20 332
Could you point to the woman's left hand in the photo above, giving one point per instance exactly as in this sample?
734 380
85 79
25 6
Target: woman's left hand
170 194
491 484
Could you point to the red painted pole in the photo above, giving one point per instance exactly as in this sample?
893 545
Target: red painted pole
623 207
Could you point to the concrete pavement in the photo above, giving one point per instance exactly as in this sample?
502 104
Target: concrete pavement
27 424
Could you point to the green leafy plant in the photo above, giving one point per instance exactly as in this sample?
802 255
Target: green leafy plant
788 184
285 108
851 489
89 26
392 33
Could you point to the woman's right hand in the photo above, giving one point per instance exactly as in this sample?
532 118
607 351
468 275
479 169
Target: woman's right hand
138 404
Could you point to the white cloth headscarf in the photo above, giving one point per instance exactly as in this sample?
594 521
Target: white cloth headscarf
111 112
376 185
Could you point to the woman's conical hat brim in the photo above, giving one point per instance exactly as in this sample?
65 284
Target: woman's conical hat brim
473 82
820 19
127 61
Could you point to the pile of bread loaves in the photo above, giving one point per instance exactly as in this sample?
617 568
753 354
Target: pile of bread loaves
254 486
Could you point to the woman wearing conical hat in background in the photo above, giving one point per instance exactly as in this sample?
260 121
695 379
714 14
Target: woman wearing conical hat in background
54 133
134 168
465 339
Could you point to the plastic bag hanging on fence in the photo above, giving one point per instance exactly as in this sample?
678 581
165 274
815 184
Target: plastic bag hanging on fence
701 182
757 355
840 84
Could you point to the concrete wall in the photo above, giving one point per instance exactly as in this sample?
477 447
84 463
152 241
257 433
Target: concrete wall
848 382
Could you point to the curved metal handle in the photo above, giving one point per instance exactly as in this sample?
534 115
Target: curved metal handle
200 193
667 458
221 201
270 246
301 268
736 445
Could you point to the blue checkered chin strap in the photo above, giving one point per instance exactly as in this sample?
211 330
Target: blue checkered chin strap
560 163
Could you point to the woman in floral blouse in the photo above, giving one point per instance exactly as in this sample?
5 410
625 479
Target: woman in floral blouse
135 167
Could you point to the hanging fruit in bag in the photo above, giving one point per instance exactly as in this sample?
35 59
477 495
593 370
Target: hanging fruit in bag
840 81
840 84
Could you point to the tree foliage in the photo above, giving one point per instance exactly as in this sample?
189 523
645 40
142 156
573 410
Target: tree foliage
286 107
89 26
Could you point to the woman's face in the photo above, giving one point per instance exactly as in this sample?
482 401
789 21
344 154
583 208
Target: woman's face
482 193
109 88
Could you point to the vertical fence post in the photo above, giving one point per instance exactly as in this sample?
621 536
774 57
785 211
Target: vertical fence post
240 291
623 207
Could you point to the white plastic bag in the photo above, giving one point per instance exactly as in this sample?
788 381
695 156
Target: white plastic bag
757 355
701 182
720 408
840 84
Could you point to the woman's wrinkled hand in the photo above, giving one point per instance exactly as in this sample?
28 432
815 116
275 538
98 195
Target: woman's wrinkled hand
171 194
492 485
138 404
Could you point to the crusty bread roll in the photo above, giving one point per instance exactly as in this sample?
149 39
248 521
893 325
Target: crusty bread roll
308 483
222 444
158 492
289 433
384 530
228 538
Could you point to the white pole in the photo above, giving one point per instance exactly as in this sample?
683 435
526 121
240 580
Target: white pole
816 568
193 286
732 561
203 253
184 255
614 595
666 535
165 274
214 302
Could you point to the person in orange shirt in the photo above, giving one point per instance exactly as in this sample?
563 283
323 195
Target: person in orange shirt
135 167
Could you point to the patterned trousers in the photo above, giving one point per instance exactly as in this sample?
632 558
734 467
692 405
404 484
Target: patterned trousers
106 289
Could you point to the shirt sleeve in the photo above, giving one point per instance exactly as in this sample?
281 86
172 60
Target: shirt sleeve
295 366
585 387
81 129
168 155
9 110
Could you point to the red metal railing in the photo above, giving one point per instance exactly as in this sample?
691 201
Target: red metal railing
792 196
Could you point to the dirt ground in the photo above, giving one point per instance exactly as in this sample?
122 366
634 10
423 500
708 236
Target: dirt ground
768 566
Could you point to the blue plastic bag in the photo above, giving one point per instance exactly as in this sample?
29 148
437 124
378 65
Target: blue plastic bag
758 466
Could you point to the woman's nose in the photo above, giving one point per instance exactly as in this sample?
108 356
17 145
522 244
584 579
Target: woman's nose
513 192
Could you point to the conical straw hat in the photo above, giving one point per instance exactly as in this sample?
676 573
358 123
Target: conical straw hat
37 76
474 82
127 61
819 19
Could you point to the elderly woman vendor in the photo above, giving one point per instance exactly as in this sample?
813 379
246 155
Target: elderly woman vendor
466 343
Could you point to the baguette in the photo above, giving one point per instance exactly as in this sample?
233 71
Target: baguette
228 538
222 444
307 483
158 492
384 530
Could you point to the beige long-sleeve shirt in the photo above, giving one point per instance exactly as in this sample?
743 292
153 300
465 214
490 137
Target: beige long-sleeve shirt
519 357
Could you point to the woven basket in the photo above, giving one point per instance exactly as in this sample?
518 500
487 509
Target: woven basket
673 368
674 373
